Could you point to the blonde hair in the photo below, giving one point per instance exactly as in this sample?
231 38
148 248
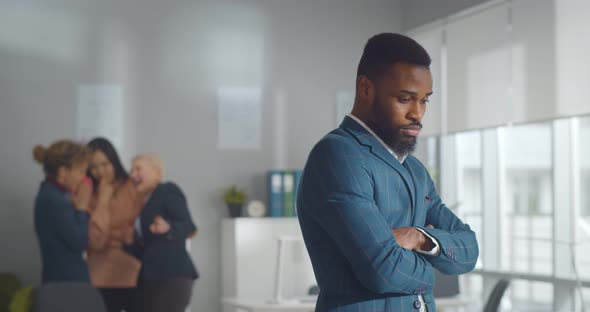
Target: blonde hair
153 159
62 153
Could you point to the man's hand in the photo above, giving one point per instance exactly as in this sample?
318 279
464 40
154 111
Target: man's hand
412 239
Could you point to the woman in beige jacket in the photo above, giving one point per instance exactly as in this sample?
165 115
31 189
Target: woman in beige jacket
115 206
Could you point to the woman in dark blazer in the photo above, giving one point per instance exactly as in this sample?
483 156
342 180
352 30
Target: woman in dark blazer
165 223
61 220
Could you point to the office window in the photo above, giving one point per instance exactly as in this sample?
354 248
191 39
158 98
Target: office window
469 180
586 295
472 287
527 296
528 224
584 157
585 188
583 222
427 151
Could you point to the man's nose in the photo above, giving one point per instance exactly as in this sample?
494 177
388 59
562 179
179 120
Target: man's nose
416 112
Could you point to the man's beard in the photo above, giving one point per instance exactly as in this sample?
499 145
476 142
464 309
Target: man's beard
399 143
393 137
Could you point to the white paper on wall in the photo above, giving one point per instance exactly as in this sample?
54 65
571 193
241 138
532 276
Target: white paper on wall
100 113
239 118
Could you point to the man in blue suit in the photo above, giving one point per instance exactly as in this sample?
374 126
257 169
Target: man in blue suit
373 223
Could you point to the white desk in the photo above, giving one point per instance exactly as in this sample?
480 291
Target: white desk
446 304
258 306
442 305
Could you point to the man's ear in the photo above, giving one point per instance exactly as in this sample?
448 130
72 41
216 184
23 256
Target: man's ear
364 88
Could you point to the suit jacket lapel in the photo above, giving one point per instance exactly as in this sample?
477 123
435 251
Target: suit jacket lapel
407 166
367 139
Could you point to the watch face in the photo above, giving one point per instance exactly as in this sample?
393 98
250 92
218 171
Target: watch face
256 208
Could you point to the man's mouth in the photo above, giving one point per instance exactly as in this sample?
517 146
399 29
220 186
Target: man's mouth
411 131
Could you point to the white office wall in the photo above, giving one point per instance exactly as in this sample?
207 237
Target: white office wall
420 12
571 52
512 61
478 56
46 52
533 60
169 59
432 40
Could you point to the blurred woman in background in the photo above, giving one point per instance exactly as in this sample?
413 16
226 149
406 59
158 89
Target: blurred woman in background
165 223
61 218
114 207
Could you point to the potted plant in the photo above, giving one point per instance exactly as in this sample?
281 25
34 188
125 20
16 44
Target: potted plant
235 199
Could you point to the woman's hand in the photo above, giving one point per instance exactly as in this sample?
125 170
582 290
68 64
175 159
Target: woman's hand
126 235
159 226
81 196
105 192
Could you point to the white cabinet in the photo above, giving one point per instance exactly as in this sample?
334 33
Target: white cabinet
250 254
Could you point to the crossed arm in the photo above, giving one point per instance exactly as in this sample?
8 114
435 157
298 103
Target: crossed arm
459 249
383 259
340 191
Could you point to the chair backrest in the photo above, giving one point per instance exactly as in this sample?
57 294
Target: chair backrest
68 297
495 297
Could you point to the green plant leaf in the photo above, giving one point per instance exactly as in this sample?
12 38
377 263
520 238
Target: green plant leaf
234 195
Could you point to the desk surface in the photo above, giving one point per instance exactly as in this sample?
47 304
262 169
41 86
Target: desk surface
293 306
259 306
451 302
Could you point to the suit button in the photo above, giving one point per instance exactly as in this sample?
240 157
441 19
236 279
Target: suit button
417 304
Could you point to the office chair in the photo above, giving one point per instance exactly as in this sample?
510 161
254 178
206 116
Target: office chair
496 295
68 297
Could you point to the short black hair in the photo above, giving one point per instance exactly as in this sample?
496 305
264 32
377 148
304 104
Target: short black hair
105 146
386 49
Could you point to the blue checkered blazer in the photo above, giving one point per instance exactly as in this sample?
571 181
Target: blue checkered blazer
353 192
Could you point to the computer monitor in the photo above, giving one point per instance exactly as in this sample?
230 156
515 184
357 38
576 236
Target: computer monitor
446 285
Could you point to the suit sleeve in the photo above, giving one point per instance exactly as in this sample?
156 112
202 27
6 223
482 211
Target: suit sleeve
178 214
71 226
459 249
338 194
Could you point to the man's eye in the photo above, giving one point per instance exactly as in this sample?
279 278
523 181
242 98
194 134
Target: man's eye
405 100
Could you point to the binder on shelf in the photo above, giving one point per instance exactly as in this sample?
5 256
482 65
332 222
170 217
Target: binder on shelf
297 177
288 194
275 193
